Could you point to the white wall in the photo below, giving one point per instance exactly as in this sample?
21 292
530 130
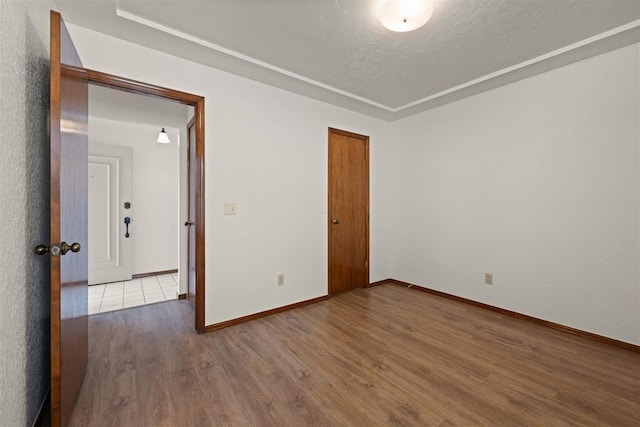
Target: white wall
266 150
156 190
536 182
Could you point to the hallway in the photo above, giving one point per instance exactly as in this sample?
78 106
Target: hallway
132 293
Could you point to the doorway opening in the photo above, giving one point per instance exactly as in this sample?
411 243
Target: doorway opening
157 281
137 197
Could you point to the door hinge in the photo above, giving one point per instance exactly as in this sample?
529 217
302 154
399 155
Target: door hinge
366 264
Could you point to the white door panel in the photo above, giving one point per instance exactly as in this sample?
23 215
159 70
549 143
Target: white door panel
102 176
110 251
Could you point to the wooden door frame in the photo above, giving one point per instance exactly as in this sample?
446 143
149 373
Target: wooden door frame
191 123
197 102
365 138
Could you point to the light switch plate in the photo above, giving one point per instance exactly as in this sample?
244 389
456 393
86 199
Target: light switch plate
230 209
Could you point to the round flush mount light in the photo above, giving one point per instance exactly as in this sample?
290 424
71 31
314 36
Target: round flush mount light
405 15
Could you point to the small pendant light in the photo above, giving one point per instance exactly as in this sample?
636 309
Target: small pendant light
163 138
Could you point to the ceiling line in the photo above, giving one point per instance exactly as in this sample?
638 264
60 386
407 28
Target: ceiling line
598 37
590 40
157 26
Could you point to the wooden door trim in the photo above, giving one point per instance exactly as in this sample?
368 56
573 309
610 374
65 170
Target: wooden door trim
365 138
557 326
196 101
190 124
54 195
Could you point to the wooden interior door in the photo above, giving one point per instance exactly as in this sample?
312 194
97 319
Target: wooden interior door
69 261
191 236
348 211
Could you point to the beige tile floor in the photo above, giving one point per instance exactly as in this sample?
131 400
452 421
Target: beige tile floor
132 293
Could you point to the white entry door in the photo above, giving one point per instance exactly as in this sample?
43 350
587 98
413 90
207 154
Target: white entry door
110 214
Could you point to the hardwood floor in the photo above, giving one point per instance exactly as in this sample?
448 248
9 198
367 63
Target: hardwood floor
371 357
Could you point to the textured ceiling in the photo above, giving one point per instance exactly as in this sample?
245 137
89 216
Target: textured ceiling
337 51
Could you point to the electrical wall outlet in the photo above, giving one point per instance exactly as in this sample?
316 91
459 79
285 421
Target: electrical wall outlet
280 279
488 278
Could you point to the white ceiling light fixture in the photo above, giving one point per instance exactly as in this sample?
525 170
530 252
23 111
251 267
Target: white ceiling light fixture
163 138
405 15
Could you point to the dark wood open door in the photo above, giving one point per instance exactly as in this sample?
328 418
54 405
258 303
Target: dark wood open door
69 266
348 211
192 190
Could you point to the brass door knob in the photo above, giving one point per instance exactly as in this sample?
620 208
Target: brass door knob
56 250
42 249
335 221
65 247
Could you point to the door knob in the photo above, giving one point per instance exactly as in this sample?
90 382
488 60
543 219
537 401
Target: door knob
56 250
65 247
188 223
335 221
43 249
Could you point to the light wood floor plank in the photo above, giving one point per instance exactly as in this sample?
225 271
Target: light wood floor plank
371 357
